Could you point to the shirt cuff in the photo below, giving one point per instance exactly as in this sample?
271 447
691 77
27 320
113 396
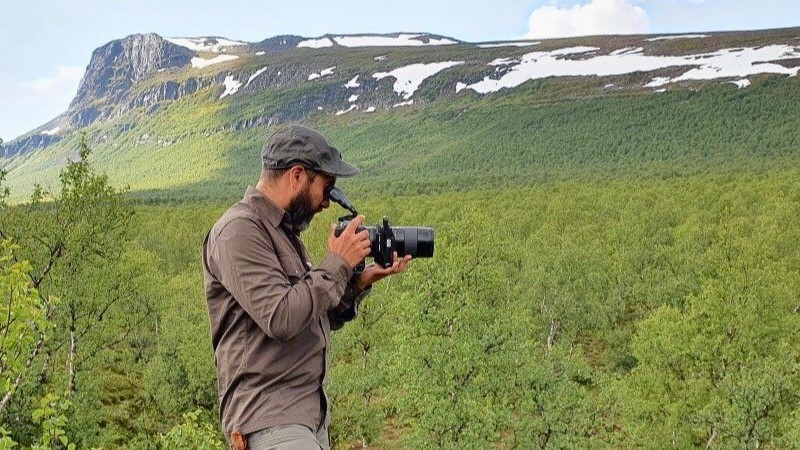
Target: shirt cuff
337 267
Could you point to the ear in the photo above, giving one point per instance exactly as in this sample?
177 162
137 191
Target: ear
296 175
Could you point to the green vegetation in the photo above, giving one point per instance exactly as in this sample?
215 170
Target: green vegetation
610 272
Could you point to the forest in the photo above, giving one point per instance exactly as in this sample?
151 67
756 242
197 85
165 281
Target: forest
603 278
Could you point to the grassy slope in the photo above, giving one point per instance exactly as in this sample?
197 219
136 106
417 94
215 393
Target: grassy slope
524 137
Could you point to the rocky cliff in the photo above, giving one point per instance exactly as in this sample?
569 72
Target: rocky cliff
115 67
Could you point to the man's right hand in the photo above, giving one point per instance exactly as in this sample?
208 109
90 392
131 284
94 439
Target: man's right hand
351 246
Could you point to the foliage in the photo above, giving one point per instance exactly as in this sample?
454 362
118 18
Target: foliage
723 369
610 272
23 319
78 250
192 434
51 415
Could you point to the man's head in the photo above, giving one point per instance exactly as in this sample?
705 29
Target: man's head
298 164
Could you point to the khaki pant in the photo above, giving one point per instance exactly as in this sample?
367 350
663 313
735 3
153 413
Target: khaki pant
288 437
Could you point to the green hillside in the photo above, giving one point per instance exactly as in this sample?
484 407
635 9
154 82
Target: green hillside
547 131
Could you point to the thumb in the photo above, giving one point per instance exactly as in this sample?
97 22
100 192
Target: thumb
332 236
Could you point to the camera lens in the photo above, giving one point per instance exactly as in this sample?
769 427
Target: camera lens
414 241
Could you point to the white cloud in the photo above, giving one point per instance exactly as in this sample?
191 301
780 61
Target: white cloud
692 2
64 83
25 105
596 17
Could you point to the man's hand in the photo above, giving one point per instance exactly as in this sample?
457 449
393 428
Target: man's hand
374 272
351 246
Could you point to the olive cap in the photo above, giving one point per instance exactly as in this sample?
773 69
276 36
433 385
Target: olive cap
297 145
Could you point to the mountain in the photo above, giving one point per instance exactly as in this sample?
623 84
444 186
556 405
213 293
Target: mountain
144 93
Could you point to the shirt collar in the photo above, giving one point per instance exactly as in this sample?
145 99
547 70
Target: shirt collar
266 210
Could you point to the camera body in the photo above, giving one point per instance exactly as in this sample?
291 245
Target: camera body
385 240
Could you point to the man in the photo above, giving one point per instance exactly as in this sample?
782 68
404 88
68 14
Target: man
271 311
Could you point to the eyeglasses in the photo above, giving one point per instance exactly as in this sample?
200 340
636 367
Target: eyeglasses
329 181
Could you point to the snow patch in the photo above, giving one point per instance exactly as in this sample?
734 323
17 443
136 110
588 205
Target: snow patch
370 109
683 36
379 58
253 76
231 86
658 81
315 43
352 98
627 51
503 62
408 103
409 78
352 83
51 131
460 87
205 44
324 72
199 63
351 108
574 50
508 44
261 53
402 40
726 63
743 83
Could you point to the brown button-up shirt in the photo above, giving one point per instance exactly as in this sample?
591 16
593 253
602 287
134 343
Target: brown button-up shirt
271 315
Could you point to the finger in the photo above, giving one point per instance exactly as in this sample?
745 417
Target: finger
332 236
393 267
363 235
401 267
354 224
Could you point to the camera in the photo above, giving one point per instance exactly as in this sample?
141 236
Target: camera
385 239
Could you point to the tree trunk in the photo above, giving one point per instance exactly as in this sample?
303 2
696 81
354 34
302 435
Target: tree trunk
18 380
71 359
552 336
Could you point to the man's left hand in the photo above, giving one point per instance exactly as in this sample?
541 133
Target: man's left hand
375 272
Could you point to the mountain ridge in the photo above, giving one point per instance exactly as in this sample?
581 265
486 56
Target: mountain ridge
234 85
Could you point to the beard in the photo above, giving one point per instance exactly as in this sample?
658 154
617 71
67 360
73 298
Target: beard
301 210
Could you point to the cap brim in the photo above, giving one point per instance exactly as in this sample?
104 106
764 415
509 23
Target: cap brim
342 170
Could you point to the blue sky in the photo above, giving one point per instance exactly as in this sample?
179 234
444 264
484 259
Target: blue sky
47 44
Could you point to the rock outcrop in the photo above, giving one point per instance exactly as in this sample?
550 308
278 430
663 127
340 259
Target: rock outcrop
115 67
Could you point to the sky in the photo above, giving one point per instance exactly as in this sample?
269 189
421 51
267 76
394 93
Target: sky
46 45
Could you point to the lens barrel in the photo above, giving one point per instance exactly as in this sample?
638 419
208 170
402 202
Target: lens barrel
414 241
